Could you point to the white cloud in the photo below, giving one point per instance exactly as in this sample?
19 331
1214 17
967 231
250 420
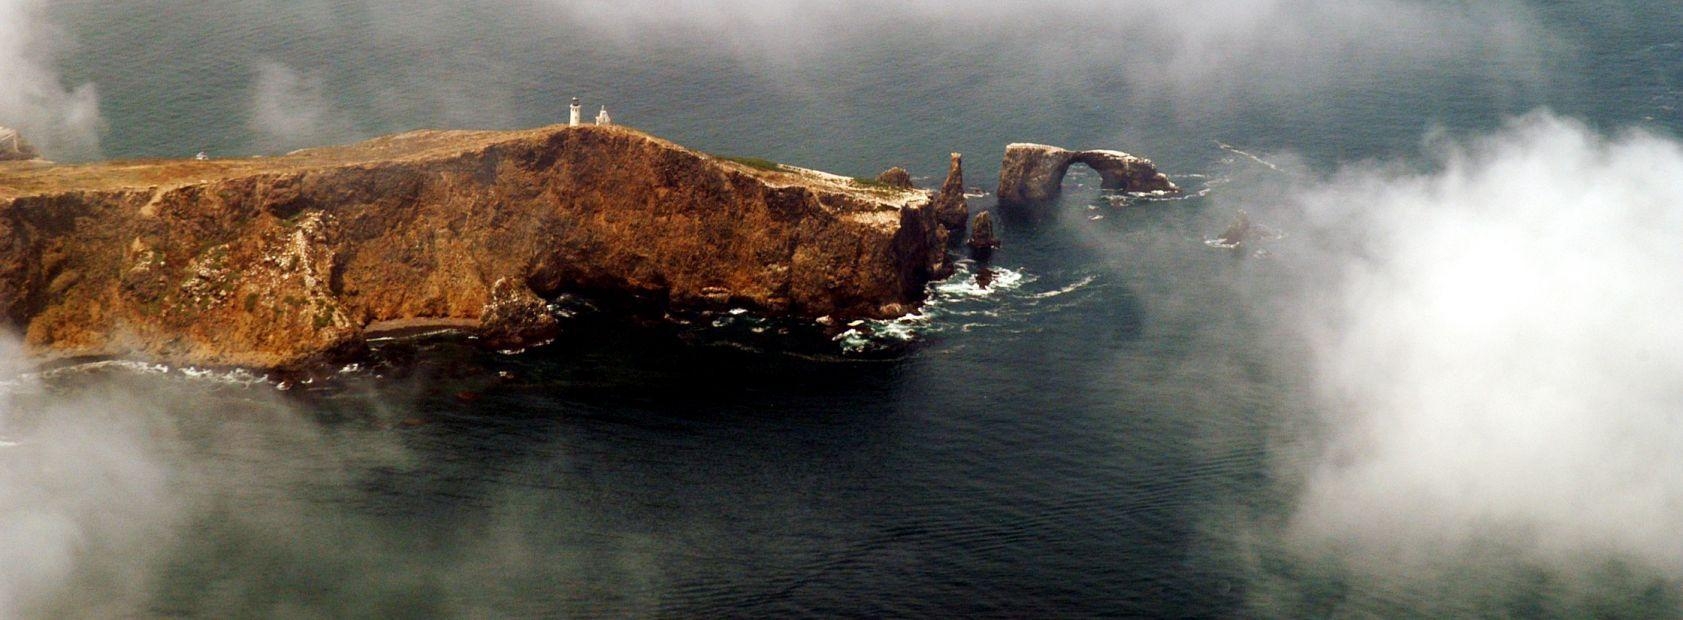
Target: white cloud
291 109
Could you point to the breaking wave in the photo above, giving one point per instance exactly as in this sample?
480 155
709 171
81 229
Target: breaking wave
966 301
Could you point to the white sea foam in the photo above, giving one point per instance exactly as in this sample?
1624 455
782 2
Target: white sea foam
1072 287
229 376
963 284
102 365
957 303
421 335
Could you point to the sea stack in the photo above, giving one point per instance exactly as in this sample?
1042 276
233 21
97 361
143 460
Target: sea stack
983 241
949 201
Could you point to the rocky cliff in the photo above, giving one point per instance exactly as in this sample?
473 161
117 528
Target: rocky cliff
1033 174
275 262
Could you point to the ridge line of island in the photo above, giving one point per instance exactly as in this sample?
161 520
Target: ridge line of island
292 261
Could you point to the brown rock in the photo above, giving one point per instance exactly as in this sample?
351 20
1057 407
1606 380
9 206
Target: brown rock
280 261
982 238
1032 175
896 177
949 202
515 317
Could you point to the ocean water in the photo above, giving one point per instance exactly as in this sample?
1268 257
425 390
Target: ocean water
1126 422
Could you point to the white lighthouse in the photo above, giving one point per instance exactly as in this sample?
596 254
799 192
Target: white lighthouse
573 119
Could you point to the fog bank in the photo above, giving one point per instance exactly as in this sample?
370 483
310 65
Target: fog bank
1498 358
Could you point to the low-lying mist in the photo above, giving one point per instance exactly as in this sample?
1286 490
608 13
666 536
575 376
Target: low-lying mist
141 491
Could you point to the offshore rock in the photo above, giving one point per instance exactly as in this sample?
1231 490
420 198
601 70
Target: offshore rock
1243 231
284 261
982 239
982 236
896 177
949 201
515 317
1239 231
14 148
1033 174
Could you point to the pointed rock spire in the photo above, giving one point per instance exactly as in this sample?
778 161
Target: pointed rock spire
950 209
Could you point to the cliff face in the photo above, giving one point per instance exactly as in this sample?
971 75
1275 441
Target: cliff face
278 261
1033 174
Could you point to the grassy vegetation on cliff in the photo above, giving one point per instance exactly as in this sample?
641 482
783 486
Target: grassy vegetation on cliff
753 162
875 184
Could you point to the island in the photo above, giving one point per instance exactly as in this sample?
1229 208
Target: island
280 262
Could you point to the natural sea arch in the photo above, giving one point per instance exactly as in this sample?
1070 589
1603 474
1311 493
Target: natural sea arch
1033 174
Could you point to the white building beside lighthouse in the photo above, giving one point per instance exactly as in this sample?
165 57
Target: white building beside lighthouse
602 117
573 119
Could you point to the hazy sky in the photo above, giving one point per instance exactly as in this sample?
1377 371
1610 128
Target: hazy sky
464 65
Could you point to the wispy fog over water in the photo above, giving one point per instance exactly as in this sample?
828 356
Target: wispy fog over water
1446 384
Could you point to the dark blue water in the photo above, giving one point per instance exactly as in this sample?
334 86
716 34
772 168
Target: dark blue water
1114 428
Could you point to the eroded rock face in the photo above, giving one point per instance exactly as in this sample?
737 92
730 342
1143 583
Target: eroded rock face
515 317
14 148
1033 174
949 201
277 262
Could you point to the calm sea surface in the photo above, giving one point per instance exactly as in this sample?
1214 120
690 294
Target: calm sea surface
1110 429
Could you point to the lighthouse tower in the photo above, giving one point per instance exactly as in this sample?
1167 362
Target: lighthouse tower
573 119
